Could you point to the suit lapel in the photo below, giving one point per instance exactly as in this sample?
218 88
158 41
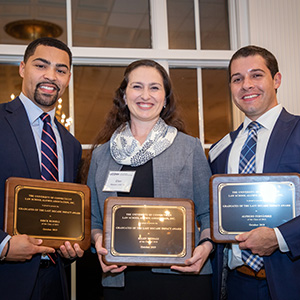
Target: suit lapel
70 161
220 164
68 154
18 120
278 139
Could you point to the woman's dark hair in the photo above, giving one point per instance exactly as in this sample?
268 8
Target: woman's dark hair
119 113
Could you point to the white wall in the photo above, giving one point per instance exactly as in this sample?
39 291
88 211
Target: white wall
275 25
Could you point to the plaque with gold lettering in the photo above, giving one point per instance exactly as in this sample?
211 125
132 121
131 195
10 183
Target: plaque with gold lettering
242 202
52 211
148 231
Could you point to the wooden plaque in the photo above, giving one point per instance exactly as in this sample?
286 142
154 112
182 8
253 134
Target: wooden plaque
52 211
148 231
242 202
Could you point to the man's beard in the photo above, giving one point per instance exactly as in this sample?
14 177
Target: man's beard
44 99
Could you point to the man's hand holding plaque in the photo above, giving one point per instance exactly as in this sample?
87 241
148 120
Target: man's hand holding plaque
23 247
67 250
261 241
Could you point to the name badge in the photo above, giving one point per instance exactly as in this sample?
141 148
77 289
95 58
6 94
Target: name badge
119 181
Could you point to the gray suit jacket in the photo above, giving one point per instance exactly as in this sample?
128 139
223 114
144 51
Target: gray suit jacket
181 171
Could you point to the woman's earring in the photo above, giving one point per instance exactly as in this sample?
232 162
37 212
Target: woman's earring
124 97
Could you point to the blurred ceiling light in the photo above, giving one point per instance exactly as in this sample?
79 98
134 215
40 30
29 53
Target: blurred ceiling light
32 29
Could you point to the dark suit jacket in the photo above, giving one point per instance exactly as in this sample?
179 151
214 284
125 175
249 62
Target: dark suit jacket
282 156
19 158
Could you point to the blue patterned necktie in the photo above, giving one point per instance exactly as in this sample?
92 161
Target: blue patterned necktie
49 150
247 165
248 153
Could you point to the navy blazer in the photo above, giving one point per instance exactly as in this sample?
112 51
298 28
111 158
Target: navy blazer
19 158
282 156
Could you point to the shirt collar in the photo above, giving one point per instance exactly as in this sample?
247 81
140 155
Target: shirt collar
33 111
267 120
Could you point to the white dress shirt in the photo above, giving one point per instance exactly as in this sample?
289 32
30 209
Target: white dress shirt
267 121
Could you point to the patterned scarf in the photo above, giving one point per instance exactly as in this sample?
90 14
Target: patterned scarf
126 150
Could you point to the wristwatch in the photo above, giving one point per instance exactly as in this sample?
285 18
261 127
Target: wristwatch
208 240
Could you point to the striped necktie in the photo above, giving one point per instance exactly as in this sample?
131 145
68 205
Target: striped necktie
248 165
248 153
49 151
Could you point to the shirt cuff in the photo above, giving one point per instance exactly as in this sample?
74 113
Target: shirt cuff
4 242
283 247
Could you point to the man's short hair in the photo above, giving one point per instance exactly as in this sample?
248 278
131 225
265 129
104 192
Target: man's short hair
46 41
270 60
